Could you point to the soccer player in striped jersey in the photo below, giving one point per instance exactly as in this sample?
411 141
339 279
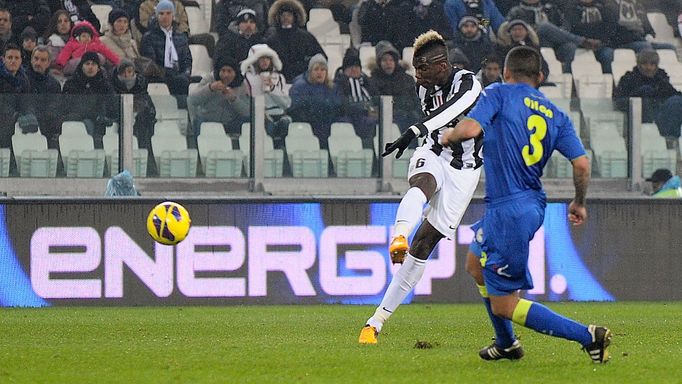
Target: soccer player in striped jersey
522 129
444 176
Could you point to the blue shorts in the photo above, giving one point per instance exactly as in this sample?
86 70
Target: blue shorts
502 240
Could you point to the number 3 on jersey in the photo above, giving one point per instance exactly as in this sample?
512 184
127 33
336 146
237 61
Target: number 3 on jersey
532 153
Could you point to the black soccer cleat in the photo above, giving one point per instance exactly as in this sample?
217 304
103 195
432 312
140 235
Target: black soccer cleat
601 338
495 352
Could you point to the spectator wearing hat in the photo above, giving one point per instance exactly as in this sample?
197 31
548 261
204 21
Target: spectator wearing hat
288 37
664 184
261 70
221 97
390 79
661 102
228 14
45 90
78 10
359 101
29 13
29 40
168 48
118 38
89 96
127 80
473 42
84 38
514 33
237 44
148 12
485 11
315 99
14 86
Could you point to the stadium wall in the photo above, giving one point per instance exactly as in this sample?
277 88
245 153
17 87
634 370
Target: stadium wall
287 251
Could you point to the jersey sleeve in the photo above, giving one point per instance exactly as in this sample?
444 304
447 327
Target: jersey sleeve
568 143
487 107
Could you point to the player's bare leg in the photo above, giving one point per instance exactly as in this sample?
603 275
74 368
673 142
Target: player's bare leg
410 212
403 281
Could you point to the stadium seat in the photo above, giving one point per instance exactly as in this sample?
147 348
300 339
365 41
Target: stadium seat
610 151
32 156
101 11
167 127
334 57
111 151
408 54
367 58
304 153
158 89
595 86
401 165
172 156
273 159
654 151
552 62
664 32
667 56
560 167
198 23
321 23
348 157
584 64
218 159
17 128
5 157
74 128
563 81
202 64
79 155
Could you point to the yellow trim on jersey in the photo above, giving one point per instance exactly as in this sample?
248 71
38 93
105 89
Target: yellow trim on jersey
483 290
521 311
484 258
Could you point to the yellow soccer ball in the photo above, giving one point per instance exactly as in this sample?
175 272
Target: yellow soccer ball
168 223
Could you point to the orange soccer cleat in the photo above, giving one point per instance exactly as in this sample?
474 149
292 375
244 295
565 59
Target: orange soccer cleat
398 249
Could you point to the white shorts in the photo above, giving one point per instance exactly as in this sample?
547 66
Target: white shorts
454 189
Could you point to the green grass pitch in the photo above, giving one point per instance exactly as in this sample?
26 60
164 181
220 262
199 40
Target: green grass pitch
318 344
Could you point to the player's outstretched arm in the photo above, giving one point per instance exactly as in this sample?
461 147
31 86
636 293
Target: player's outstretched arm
577 212
464 130
401 143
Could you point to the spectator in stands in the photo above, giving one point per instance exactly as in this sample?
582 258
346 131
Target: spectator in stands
148 12
546 19
58 32
6 35
664 184
96 107
491 72
471 40
119 39
633 29
457 58
29 13
169 49
45 90
237 44
83 39
315 100
661 102
389 78
263 77
78 10
517 32
422 16
126 80
287 36
221 97
13 84
587 18
29 40
359 101
485 11
227 14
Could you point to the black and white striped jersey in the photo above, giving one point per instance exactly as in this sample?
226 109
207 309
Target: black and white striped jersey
443 106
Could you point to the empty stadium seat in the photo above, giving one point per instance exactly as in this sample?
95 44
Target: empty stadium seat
304 153
273 159
101 11
167 127
198 23
654 151
560 167
595 86
348 157
218 159
74 128
321 23
367 58
610 151
172 156
202 64
32 157
79 155
408 54
5 156
664 32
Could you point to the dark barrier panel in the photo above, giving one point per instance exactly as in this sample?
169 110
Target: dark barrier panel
327 251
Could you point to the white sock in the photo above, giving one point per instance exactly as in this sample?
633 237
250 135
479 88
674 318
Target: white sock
410 212
403 281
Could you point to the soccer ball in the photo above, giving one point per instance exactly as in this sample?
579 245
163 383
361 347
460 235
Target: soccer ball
168 223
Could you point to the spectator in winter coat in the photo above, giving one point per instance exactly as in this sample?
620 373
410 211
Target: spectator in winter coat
661 102
632 27
390 79
359 101
517 32
29 40
83 39
221 97
491 72
169 49
227 14
471 40
14 87
237 44
6 34
118 38
148 13
29 13
288 37
484 10
261 69
78 10
89 96
45 90
126 80
587 18
315 99
58 32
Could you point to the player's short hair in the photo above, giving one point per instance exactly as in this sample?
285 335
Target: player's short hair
524 61
429 47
